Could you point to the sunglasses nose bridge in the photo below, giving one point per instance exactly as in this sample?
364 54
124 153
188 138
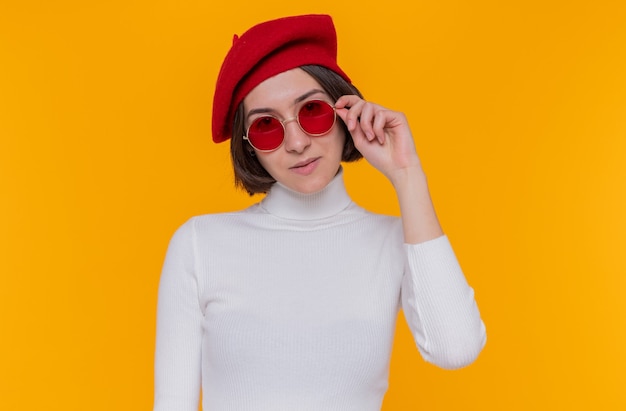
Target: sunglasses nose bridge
297 139
288 120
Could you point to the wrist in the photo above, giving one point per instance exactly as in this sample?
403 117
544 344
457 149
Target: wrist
419 220
410 176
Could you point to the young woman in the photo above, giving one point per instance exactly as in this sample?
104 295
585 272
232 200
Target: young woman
291 304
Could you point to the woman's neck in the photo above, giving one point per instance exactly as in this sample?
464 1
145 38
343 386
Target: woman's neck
286 203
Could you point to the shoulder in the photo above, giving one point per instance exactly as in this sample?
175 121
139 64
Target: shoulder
376 218
378 224
215 224
215 220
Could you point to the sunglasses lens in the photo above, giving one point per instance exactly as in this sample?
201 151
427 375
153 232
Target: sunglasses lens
316 117
266 133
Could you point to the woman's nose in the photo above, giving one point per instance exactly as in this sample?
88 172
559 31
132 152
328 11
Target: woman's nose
296 140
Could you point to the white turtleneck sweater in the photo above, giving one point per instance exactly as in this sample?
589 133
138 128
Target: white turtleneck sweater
291 305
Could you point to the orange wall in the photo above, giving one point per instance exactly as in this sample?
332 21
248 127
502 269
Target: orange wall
519 114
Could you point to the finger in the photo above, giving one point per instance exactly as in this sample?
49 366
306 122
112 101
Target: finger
356 131
347 101
354 113
343 114
348 108
366 120
379 124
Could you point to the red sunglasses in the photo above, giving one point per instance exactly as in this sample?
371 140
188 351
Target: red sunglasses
267 133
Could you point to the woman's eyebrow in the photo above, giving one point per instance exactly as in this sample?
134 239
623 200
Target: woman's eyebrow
308 94
296 101
258 111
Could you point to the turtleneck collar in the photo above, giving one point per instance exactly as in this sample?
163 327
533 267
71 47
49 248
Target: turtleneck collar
286 203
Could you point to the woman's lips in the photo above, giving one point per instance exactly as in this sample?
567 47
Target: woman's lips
305 167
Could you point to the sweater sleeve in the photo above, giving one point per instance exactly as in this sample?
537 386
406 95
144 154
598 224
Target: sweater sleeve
439 306
177 371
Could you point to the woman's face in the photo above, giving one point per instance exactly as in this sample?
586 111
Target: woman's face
302 163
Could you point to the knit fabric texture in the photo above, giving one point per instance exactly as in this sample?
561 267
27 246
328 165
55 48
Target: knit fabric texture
291 304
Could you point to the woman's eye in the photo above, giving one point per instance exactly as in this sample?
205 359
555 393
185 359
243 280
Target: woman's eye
312 106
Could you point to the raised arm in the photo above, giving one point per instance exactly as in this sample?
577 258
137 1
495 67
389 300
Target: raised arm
384 138
438 303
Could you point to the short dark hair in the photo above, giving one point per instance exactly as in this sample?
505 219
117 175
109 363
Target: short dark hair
249 173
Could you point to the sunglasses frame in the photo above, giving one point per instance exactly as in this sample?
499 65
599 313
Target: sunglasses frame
297 119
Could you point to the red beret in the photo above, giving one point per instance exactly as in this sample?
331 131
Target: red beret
266 50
